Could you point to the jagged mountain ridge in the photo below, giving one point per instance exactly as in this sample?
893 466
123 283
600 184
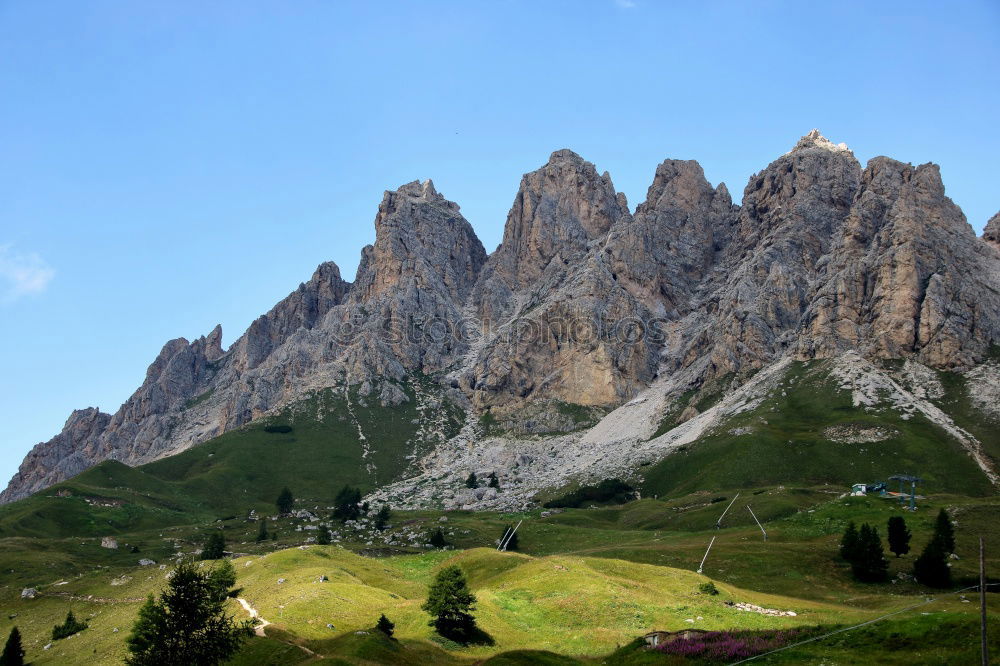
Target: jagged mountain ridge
822 256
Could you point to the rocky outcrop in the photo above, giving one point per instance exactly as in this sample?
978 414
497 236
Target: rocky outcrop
62 456
906 276
991 234
303 308
584 303
785 228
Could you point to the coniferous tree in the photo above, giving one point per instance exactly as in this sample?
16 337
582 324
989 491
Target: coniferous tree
382 517
13 653
221 580
215 546
511 538
323 537
437 539
899 536
494 481
68 628
345 506
285 502
472 481
945 531
262 531
385 626
869 564
450 604
849 542
931 568
187 625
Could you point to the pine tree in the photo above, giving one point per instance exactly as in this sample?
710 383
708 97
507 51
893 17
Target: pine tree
869 564
285 502
68 628
187 625
472 481
215 546
494 482
345 506
262 531
945 531
511 538
931 568
13 653
323 537
849 542
450 604
385 626
899 536
382 517
437 539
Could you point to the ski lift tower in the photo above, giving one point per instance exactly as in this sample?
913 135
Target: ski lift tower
913 481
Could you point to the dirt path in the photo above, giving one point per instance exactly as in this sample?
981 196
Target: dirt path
261 622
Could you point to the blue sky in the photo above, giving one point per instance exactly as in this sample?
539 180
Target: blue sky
167 166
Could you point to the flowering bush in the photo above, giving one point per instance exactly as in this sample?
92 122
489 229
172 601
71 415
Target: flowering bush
729 645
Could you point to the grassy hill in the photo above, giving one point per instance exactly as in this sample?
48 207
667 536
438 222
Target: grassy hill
587 581
787 439
240 470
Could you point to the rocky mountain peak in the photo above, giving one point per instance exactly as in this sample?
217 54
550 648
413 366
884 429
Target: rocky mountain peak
816 140
558 211
420 237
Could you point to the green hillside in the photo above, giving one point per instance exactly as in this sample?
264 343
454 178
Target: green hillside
786 440
238 471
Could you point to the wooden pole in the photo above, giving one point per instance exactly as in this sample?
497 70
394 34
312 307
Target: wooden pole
982 603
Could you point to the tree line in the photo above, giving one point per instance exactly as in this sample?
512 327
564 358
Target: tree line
862 548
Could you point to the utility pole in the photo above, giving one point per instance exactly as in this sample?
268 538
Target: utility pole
758 522
982 603
719 523
702 565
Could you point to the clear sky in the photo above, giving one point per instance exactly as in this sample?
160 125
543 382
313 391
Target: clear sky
167 166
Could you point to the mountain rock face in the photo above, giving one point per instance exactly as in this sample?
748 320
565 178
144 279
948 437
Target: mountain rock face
991 234
585 304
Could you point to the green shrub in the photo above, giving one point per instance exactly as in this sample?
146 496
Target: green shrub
708 588
613 491
281 428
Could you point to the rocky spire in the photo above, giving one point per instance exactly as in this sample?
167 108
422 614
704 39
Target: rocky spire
558 211
421 239
672 244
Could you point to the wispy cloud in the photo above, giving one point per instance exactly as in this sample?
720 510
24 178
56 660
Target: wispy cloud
22 274
625 4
